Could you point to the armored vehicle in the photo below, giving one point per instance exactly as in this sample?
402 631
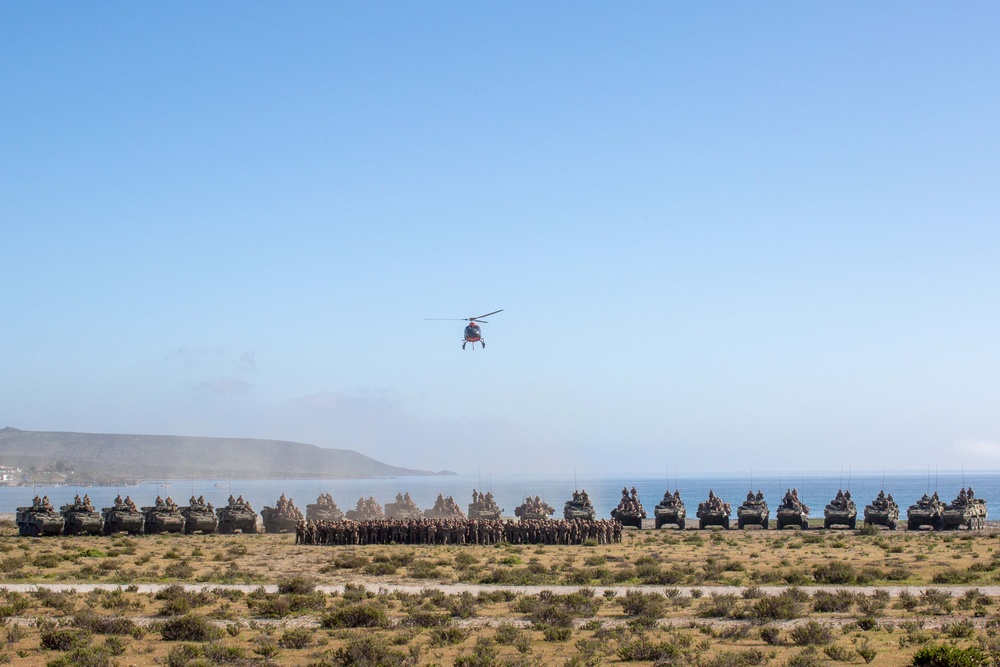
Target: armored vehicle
124 517
81 518
534 509
39 518
579 507
324 509
841 511
403 508
444 508
714 512
883 511
199 516
282 518
163 518
792 511
629 511
237 515
484 506
367 510
671 510
926 512
966 510
753 511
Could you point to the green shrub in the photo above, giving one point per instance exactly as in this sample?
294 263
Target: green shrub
445 636
944 655
298 585
554 634
89 656
295 638
811 633
360 615
835 572
64 639
189 628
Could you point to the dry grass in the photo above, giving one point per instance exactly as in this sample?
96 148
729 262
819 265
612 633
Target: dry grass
742 627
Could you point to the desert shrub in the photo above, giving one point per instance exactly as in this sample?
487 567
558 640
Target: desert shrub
873 605
85 656
866 652
484 654
462 605
835 572
63 639
839 601
180 570
944 655
735 632
446 636
427 619
868 530
907 600
295 638
807 658
298 585
189 628
181 655
959 629
737 659
507 634
554 634
785 606
939 602
637 603
91 621
721 605
770 635
954 576
642 648
58 600
380 569
359 615
811 633
838 653
349 562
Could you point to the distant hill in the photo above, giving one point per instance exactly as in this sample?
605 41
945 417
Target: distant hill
180 457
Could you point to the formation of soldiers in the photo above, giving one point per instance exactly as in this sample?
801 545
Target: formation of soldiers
534 507
791 501
457 531
629 504
127 504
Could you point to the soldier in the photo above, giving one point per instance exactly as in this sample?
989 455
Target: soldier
231 499
76 500
37 502
87 505
201 500
193 500
159 501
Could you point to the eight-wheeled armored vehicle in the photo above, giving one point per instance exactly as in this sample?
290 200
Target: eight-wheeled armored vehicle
966 510
282 518
199 517
81 519
841 511
534 509
39 519
792 511
162 518
124 517
629 511
237 515
753 511
403 508
367 510
714 512
324 509
579 507
484 506
671 510
927 511
883 511
444 508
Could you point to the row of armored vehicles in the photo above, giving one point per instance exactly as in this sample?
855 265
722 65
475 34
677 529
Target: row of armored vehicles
81 517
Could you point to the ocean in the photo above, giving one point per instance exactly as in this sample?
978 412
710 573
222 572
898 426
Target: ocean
815 489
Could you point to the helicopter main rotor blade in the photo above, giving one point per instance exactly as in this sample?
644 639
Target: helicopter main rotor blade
486 315
446 319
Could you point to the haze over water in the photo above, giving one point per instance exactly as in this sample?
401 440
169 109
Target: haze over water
816 490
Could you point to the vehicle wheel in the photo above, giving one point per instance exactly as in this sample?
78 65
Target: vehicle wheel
739 524
725 523
34 530
826 524
805 524
763 523
680 525
853 524
892 525
701 524
911 524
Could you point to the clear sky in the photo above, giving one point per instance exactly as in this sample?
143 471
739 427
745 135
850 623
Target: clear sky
725 235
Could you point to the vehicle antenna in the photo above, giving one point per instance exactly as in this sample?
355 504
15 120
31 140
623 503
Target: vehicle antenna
935 479
751 478
963 474
841 476
848 478
883 478
928 480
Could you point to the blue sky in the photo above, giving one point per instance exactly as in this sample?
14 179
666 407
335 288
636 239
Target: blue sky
724 236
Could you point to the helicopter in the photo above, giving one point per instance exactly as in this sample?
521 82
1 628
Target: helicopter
472 333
